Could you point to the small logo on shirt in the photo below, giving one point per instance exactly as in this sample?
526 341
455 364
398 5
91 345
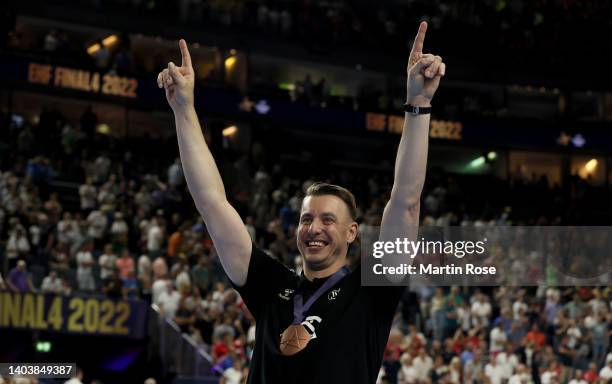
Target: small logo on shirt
286 294
333 294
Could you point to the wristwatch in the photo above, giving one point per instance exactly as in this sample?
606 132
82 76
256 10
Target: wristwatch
414 111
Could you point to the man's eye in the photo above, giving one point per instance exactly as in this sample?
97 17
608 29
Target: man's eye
306 220
328 220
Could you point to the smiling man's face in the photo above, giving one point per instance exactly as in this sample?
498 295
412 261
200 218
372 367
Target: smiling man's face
324 233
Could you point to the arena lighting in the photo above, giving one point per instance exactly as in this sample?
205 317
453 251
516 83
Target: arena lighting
492 155
591 165
103 129
477 162
107 42
578 140
110 40
230 131
229 63
286 86
43 346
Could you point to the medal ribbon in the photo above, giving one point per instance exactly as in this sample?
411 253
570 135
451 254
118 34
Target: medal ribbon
299 307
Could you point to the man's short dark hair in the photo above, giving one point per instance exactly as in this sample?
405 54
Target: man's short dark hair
320 189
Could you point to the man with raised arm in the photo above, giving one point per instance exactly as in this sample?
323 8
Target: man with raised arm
321 326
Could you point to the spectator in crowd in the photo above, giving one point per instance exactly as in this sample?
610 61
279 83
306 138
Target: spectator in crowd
113 287
578 378
119 229
125 264
52 284
77 378
184 317
107 262
175 174
85 263
494 372
168 300
88 194
19 279
130 284
18 245
234 374
154 237
605 373
52 41
97 223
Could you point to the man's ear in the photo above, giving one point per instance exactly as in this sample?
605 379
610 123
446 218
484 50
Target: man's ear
352 232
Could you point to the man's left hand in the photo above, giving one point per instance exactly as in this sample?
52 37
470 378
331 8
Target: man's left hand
424 72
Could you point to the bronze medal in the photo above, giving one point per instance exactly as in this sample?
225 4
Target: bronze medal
294 339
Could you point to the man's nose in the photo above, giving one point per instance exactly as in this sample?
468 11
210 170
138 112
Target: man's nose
315 226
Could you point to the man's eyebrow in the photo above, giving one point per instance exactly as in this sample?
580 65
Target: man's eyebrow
329 214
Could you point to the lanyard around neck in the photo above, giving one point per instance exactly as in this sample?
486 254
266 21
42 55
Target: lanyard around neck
299 307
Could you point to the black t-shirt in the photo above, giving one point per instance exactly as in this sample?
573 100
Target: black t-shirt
350 338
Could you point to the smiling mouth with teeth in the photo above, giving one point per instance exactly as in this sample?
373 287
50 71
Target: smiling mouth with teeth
316 243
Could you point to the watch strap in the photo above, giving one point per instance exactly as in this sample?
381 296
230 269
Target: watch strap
413 110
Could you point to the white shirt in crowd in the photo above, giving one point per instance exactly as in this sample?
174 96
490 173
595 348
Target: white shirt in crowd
423 366
232 376
101 167
495 373
63 226
498 339
408 374
606 373
547 376
517 308
107 265
17 244
144 266
51 284
481 311
119 227
575 381
508 362
159 286
574 334
598 306
520 378
154 237
182 278
97 224
88 195
83 259
169 302
35 231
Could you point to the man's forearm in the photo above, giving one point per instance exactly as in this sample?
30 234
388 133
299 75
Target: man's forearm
411 161
201 173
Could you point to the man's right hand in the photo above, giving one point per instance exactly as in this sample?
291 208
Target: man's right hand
178 82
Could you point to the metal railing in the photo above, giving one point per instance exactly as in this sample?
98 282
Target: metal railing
181 356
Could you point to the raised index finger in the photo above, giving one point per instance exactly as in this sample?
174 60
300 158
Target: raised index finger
417 46
185 56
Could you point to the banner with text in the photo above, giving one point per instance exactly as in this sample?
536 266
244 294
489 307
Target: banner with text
73 314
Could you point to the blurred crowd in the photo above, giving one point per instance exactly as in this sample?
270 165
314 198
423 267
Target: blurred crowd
511 26
131 231
518 33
